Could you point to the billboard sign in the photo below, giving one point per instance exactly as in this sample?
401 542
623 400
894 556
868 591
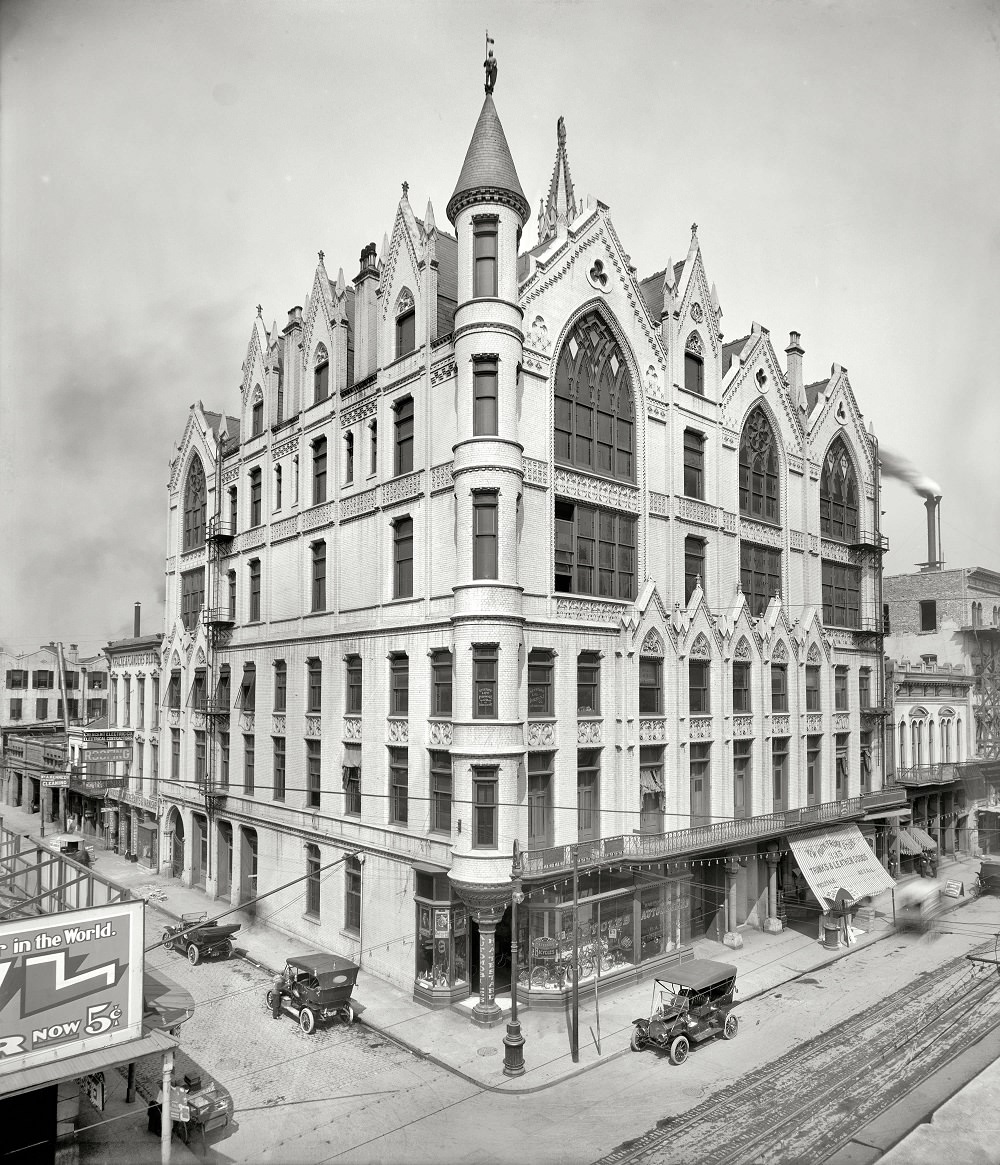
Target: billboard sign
105 754
69 983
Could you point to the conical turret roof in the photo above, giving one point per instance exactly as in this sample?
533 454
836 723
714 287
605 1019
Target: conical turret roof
488 173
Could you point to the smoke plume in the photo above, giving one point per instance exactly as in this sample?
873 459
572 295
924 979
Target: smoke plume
895 465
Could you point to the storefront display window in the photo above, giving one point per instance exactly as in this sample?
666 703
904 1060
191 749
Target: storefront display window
442 943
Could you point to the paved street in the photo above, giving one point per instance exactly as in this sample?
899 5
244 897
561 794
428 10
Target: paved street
821 1050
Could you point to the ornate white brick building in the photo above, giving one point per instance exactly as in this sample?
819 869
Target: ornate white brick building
510 544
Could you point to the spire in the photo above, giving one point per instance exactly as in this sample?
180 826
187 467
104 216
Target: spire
488 173
560 208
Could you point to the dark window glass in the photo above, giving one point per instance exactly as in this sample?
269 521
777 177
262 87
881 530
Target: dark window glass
231 578
255 590
699 675
694 565
321 375
277 487
373 439
248 765
234 511
588 787
741 686
540 778
484 414
742 778
279 768
588 684
838 495
314 685
352 789
173 691
314 774
402 558
441 789
194 506
841 594
812 689
779 687
248 688
257 423
348 458
694 373
192 597
406 333
441 674
484 809
779 774
814 757
354 684
319 470
175 754
760 576
864 688
399 678
484 534
928 614
352 895
594 411
312 880
484 681
404 437
224 760
650 687
841 772
319 576
694 464
594 552
840 698
541 701
484 251
700 763
759 469
399 781
199 692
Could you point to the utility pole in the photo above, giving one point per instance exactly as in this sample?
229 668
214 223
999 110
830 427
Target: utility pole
576 957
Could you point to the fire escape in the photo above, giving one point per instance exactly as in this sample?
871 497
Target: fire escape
983 646
868 547
218 618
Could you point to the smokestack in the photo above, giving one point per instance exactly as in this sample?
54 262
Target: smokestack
932 505
135 625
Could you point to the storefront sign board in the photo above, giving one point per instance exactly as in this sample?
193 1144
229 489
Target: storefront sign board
70 983
838 859
954 889
95 755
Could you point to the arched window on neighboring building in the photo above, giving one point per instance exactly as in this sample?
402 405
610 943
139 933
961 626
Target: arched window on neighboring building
901 759
194 506
838 495
916 757
931 742
594 410
959 741
759 469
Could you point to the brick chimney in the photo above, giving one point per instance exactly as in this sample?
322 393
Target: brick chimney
795 353
365 314
135 621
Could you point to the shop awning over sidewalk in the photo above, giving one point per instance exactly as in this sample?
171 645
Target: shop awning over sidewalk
922 838
166 1004
839 859
907 844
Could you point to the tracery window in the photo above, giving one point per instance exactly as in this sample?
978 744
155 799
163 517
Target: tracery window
838 495
321 375
194 506
759 469
594 413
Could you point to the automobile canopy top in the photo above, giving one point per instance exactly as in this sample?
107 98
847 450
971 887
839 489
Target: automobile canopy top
698 974
321 964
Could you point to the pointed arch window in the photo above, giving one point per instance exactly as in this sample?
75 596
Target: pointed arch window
838 495
759 469
694 365
257 414
194 506
594 410
321 374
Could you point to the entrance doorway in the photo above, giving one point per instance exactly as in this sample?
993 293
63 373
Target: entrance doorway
177 844
199 857
708 902
225 859
248 865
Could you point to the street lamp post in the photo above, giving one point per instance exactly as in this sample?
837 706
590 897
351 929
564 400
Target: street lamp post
513 1041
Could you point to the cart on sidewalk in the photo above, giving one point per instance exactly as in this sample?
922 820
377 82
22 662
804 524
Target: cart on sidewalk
989 878
199 939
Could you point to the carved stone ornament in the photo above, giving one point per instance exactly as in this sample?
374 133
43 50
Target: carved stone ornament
598 277
404 301
536 472
441 477
814 723
652 732
652 382
700 648
779 653
814 654
439 733
742 652
352 728
592 612
780 725
652 644
538 335
700 728
588 731
485 902
540 734
314 726
278 725
398 731
696 313
694 344
841 722
742 726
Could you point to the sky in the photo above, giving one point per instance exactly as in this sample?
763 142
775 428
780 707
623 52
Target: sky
167 165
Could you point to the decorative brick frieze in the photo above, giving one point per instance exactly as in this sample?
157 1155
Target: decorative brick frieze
589 731
352 729
656 410
540 734
659 504
173 718
700 728
441 478
358 504
814 723
652 731
250 540
536 472
700 513
284 449
323 515
837 551
797 540
796 464
742 726
590 611
278 725
314 726
287 528
247 721
841 722
230 475
397 731
401 489
780 725
760 533
440 733
730 438
729 521
592 489
443 371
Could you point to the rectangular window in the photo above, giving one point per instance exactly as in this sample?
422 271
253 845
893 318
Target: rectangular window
742 792
814 760
233 511
313 866
484 251
588 684
779 687
441 792
484 681
694 373
701 780
17 709
200 758
314 776
255 590
864 687
406 333
699 676
760 576
403 462
175 754
843 751
540 778
113 709
127 701
248 688
319 470
595 551
399 686
650 687
321 377
255 497
741 686
352 781
277 487
224 760
231 576
399 782
154 700
485 560
779 774
354 684
71 680
541 700
41 709
651 789
694 565
928 614
484 809
278 791
140 702
192 598
280 685
841 594
352 895
840 699
173 691
18 678
199 691
813 703
154 767
373 446
866 757
319 576
44 679
694 464
348 458
314 685
402 558
249 760
484 411
441 681
588 788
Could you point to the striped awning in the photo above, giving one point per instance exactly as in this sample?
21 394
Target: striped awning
922 838
838 861
649 781
906 843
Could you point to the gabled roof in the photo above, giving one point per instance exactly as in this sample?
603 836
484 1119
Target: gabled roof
488 171
813 390
730 351
652 290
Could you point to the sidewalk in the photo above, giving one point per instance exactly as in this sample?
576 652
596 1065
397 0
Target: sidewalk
448 1039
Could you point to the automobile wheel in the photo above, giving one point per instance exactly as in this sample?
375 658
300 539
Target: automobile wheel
348 1014
731 1027
227 952
307 1020
168 939
636 1042
270 1000
679 1050
194 955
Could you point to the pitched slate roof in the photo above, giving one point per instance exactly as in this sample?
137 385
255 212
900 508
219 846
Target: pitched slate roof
488 167
730 351
813 390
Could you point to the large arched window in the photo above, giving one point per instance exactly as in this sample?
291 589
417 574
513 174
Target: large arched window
595 417
759 469
838 495
194 506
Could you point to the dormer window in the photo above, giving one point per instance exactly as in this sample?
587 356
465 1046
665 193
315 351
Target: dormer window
321 375
484 257
406 332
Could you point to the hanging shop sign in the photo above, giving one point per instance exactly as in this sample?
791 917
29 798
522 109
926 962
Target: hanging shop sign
101 755
55 781
69 983
109 739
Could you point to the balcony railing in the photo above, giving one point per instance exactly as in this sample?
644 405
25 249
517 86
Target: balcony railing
681 843
869 540
218 617
218 529
940 774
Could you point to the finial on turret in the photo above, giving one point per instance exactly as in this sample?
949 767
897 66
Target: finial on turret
321 257
490 64
694 228
406 190
260 310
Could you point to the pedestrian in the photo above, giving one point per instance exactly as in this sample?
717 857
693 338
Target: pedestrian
278 988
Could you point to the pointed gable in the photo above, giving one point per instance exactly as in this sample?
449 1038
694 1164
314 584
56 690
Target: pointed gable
488 172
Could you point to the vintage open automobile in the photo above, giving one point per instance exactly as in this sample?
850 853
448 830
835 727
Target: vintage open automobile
690 1004
318 988
197 938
